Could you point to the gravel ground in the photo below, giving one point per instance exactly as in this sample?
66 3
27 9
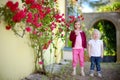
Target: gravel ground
110 71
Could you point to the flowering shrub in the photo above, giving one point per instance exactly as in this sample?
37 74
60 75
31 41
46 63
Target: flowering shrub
42 21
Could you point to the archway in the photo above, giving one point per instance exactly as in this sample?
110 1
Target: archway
113 17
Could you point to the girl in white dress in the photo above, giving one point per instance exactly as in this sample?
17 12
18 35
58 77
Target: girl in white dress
95 50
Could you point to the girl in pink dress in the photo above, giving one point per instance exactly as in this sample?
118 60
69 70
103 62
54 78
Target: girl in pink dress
78 39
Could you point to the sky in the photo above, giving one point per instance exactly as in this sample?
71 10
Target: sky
92 5
87 6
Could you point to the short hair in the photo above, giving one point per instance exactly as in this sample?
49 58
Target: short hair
96 30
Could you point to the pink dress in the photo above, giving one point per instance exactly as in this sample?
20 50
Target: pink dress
78 52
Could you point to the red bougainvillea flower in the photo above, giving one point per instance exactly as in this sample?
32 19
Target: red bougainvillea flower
9 4
42 14
40 62
36 6
63 14
29 17
12 6
52 26
19 16
8 27
72 19
43 1
15 7
39 8
28 29
47 10
47 44
34 32
38 25
60 30
29 1
63 19
55 0
58 17
62 35
67 25
35 21
81 17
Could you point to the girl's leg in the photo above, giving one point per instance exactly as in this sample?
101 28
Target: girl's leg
75 60
92 66
98 60
74 71
81 58
82 71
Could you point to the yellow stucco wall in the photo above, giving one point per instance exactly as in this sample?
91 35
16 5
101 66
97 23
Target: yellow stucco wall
59 43
16 56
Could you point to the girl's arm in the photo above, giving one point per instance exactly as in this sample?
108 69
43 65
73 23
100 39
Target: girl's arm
72 36
89 49
102 50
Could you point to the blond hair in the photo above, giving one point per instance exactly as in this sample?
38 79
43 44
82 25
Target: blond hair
99 34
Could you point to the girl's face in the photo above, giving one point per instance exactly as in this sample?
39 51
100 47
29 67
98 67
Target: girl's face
77 25
96 35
